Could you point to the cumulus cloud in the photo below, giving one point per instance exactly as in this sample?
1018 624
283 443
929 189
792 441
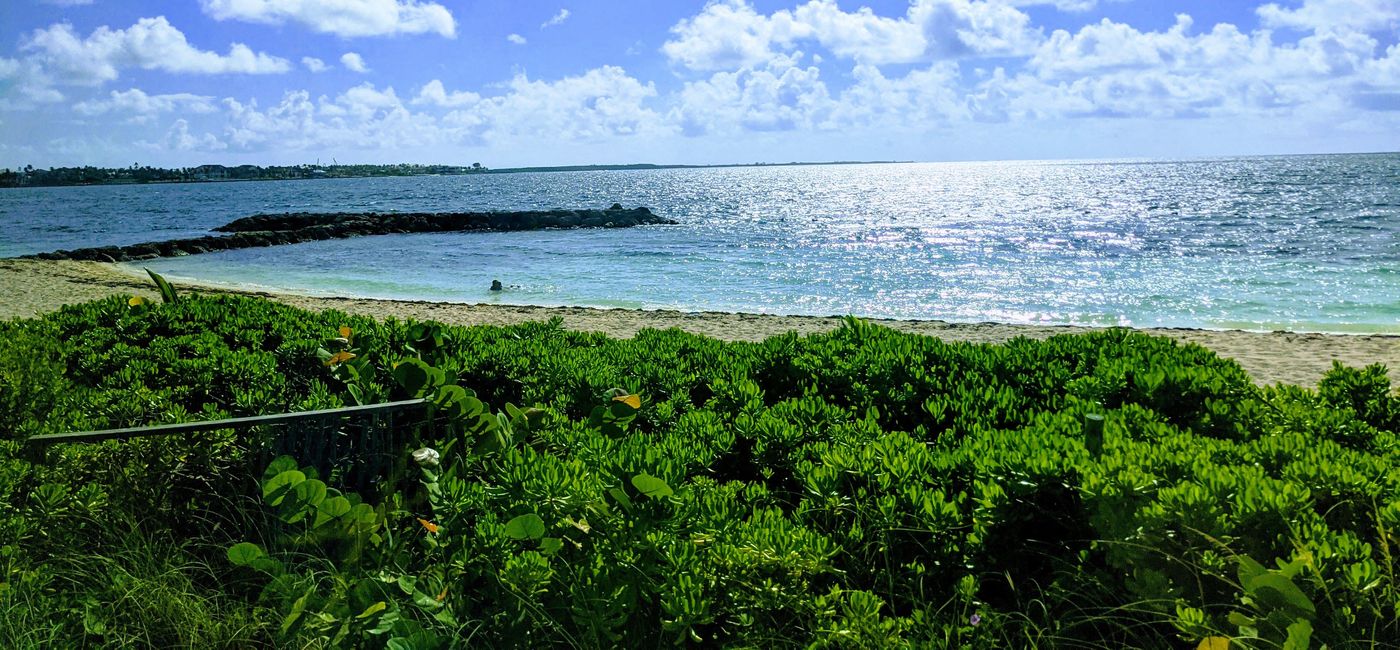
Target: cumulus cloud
1332 15
601 103
347 18
811 68
434 94
780 97
27 85
731 35
786 96
314 64
141 107
354 62
1112 69
516 39
179 138
1062 5
151 44
556 19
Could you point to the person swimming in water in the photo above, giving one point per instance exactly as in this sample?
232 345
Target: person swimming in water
496 285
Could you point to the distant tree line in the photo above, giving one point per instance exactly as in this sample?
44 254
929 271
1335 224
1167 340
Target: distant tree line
29 176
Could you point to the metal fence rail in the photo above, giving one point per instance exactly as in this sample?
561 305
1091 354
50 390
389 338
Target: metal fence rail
351 446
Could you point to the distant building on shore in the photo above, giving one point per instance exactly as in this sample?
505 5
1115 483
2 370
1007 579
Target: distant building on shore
210 173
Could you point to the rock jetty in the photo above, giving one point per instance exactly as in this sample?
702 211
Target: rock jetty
298 227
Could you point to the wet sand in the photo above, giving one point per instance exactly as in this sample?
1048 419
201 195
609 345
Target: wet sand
32 287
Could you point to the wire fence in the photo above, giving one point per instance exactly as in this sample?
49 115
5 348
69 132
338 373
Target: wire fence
351 447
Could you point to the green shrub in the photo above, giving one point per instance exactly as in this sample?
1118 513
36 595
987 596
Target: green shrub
863 488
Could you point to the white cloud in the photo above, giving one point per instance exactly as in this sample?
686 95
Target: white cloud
354 62
516 38
730 35
1331 15
27 85
1113 69
179 138
434 94
151 44
599 103
956 28
347 18
556 19
785 96
811 73
1062 5
141 107
922 98
780 97
862 35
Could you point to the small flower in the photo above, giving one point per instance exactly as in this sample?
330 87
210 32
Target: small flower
974 620
426 457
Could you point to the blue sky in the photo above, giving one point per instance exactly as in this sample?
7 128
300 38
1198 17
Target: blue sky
505 83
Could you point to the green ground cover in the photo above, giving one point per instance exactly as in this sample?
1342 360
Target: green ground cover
863 488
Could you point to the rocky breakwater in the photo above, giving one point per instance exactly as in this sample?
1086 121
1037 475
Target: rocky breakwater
294 228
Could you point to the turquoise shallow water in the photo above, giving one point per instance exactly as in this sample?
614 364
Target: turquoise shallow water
1307 243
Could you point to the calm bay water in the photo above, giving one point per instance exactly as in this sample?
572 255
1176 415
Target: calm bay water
1308 243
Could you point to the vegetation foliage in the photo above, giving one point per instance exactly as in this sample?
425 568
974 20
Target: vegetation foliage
863 488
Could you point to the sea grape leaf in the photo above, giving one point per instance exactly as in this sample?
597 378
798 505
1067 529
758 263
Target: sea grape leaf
528 526
412 374
279 465
310 492
275 490
331 509
551 545
244 553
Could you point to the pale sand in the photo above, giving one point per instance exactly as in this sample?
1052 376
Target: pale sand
32 287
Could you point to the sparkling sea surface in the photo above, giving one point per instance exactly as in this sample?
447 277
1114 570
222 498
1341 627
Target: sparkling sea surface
1304 243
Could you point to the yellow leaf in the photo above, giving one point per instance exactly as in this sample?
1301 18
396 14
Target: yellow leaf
443 595
136 301
1214 643
633 401
344 332
339 357
432 527
373 609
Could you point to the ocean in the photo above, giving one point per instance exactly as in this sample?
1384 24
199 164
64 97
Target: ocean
1302 243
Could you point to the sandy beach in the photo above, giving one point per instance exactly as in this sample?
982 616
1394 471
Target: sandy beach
32 287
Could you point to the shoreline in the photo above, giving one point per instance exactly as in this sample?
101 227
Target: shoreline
34 287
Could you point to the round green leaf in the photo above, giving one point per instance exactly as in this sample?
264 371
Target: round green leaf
525 527
332 509
276 489
244 553
310 492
